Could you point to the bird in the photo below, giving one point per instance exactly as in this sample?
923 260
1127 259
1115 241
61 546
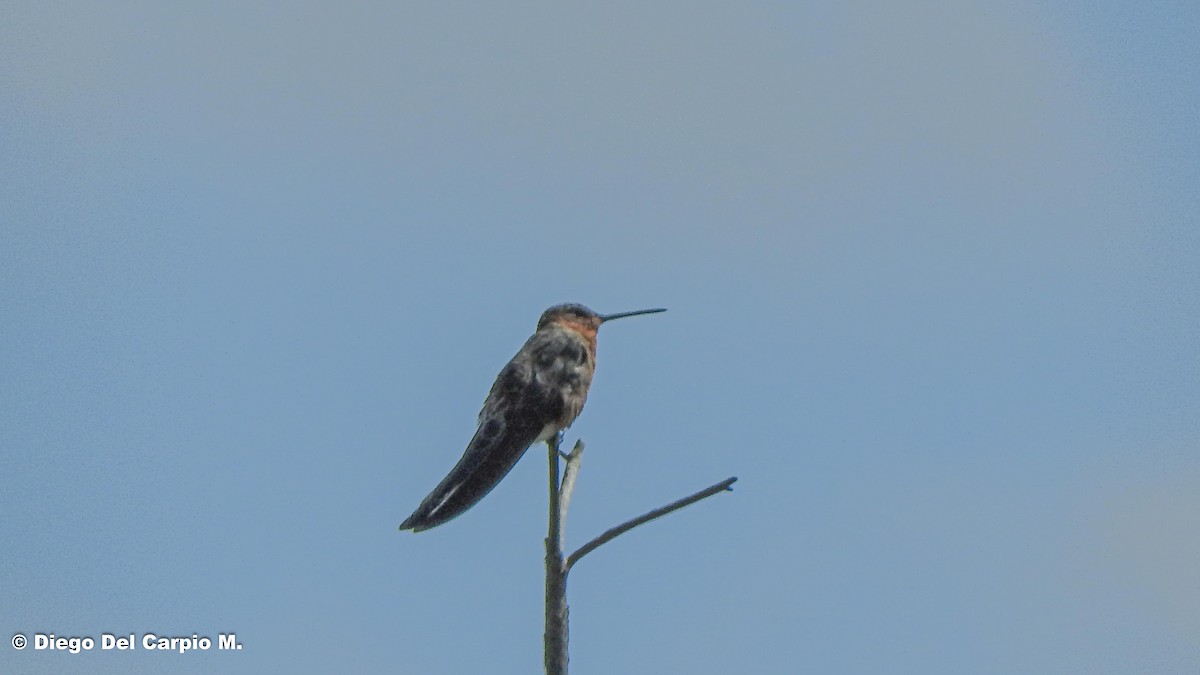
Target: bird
536 396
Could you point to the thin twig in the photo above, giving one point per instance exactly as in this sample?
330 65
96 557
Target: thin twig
570 473
628 525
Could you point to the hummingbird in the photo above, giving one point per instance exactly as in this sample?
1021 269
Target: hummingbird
537 395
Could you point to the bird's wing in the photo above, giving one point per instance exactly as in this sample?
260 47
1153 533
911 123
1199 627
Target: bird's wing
514 416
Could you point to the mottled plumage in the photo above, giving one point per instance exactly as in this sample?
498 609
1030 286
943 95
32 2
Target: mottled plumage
538 394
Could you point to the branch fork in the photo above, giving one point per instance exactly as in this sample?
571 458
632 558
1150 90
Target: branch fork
557 567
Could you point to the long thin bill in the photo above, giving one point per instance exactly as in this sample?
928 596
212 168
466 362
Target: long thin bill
621 315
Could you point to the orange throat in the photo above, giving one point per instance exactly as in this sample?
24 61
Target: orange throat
585 330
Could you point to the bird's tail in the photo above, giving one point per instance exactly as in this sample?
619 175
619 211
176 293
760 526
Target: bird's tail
486 461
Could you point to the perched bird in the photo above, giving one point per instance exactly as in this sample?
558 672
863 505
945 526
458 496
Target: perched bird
537 395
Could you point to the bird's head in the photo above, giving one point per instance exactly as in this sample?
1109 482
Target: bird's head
580 318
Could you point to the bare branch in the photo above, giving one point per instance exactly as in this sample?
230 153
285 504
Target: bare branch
570 473
557 612
553 531
556 635
613 533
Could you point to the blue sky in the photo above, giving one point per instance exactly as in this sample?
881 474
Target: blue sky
933 286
